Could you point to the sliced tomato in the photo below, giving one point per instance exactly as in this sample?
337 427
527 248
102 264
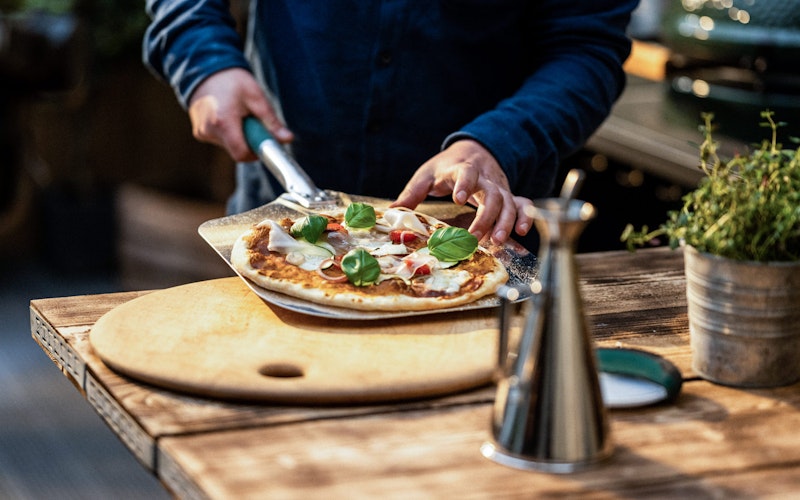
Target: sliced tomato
335 226
422 270
401 236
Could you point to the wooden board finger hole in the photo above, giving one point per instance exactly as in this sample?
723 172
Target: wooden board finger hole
281 370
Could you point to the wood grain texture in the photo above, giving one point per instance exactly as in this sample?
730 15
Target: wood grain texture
714 442
81 309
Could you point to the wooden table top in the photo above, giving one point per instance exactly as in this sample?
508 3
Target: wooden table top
713 442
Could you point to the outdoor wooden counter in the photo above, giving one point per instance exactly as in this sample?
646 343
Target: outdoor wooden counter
713 442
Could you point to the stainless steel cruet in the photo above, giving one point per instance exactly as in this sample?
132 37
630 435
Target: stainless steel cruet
549 413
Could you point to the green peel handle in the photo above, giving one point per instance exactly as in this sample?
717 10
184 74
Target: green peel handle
255 133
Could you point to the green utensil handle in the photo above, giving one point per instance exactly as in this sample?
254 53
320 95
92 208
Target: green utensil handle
255 133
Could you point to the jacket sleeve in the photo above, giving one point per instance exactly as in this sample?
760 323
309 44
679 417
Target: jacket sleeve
188 40
577 76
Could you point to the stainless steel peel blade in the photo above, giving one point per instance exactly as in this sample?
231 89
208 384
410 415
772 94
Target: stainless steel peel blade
289 173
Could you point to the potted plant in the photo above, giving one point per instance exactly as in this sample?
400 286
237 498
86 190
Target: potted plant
741 232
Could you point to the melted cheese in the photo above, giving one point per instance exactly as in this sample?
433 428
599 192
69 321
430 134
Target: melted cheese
405 267
299 252
443 264
390 249
398 218
447 281
365 238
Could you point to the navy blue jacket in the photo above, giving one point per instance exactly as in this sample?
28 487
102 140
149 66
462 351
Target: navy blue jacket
372 89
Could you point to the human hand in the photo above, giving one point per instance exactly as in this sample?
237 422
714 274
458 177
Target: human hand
468 171
219 105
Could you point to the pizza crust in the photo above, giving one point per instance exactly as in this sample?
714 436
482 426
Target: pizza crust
269 270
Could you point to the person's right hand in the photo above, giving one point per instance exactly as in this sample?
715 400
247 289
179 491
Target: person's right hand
219 105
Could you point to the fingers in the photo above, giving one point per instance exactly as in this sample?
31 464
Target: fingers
524 215
468 172
440 178
495 216
497 210
466 185
219 105
261 109
500 214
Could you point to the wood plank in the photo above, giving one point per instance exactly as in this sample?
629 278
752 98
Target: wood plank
732 444
55 344
65 346
125 426
80 309
596 270
638 300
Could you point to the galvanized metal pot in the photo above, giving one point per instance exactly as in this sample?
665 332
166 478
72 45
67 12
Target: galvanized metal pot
744 319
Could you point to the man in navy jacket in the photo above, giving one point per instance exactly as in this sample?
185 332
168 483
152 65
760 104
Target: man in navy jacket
478 99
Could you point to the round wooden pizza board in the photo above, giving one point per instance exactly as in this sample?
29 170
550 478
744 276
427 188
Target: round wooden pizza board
218 339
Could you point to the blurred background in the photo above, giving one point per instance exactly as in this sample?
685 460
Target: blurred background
102 187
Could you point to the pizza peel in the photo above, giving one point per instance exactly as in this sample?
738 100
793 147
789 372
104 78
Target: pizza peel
222 233
303 197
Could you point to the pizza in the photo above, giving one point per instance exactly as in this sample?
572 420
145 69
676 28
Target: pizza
364 258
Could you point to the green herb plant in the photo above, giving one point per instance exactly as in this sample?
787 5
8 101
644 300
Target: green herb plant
747 208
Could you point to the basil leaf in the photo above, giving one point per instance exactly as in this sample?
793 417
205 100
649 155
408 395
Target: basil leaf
360 216
361 268
310 228
452 244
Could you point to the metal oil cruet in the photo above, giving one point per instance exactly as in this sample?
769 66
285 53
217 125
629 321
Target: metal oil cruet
549 413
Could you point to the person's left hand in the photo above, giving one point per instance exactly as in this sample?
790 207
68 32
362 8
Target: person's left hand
468 171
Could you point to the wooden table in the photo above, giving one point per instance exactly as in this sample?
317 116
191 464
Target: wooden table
713 442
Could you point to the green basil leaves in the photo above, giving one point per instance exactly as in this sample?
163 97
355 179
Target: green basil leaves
310 228
361 268
452 244
360 216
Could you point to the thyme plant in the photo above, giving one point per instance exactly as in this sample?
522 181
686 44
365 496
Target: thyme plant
747 208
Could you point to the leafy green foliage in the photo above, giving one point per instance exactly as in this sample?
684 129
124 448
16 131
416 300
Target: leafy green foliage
452 244
747 208
360 216
361 268
310 228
